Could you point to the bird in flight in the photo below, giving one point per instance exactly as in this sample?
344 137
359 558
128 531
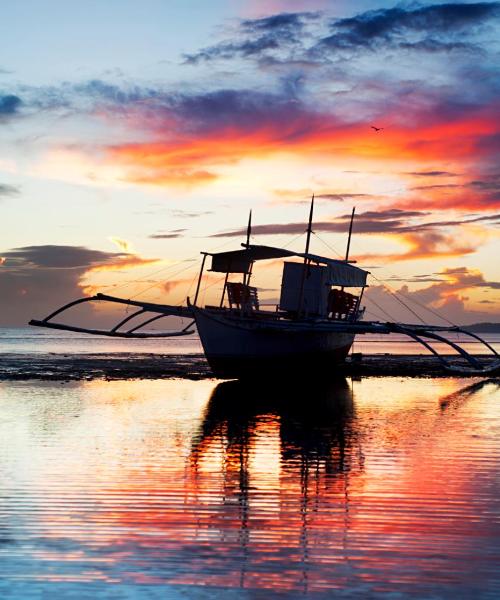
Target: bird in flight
377 129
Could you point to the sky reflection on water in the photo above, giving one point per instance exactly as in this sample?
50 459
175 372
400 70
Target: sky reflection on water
205 489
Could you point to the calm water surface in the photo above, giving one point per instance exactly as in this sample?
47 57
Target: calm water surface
33 340
380 488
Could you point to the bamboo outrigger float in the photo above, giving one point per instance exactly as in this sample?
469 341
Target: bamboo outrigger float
312 328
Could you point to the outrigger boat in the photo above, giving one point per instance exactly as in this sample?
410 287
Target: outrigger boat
311 330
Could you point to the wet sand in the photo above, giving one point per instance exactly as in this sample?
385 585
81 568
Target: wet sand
120 366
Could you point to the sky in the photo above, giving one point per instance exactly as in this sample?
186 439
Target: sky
134 136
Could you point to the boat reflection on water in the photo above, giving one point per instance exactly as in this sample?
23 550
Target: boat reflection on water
287 455
370 489
315 426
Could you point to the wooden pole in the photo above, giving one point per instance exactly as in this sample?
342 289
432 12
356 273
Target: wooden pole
246 276
249 227
350 234
309 226
224 290
199 278
306 260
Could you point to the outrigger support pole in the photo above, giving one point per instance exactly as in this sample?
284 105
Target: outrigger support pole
161 310
129 318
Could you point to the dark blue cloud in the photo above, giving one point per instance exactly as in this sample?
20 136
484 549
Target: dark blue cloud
257 37
241 108
441 26
9 105
103 90
432 29
289 22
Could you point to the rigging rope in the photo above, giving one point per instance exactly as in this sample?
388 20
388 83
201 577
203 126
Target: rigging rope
431 310
163 269
396 293
191 266
327 245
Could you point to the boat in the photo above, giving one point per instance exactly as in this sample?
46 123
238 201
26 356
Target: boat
311 329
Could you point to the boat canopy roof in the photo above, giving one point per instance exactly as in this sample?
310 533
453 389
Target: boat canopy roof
340 272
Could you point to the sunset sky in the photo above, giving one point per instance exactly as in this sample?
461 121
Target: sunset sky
134 135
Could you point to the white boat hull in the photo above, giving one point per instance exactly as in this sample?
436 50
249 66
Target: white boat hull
237 348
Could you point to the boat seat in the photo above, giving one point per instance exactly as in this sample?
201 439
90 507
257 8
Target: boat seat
242 296
341 305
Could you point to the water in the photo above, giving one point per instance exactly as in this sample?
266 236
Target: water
380 488
36 340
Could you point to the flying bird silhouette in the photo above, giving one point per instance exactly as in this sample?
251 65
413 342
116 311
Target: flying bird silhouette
377 129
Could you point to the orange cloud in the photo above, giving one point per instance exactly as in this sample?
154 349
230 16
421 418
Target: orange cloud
192 158
172 177
122 244
425 245
125 261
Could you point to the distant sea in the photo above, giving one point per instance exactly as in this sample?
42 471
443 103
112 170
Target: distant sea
31 340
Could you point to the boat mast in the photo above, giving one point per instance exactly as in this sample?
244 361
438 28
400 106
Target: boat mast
309 226
350 234
306 260
249 227
246 276
205 254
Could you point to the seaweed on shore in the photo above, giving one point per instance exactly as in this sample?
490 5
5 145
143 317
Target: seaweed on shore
85 367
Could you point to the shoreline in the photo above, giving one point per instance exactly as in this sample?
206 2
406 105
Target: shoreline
124 366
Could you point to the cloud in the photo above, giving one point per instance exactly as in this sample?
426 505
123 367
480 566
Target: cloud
163 175
415 28
341 197
182 214
298 38
207 130
423 239
291 23
172 284
9 105
37 279
428 245
468 278
193 137
9 190
384 221
476 195
175 233
56 257
255 38
446 297
122 244
123 262
305 194
431 174
442 186
493 219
